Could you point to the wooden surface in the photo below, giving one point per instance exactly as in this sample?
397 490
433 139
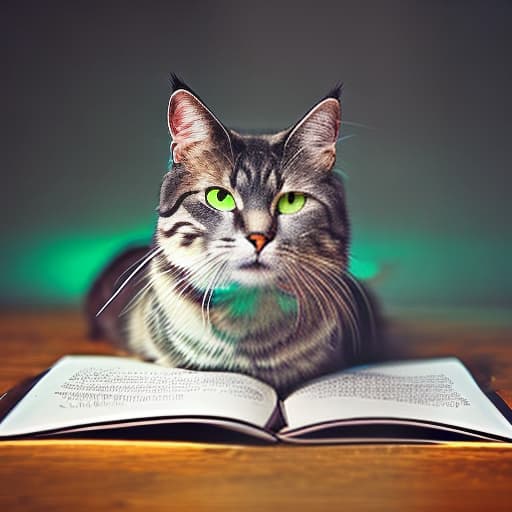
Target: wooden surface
107 475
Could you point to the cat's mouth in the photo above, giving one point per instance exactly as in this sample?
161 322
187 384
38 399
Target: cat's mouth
254 265
253 273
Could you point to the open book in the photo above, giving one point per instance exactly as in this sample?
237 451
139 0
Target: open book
432 400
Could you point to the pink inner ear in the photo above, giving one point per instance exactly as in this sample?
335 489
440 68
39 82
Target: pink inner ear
187 123
182 134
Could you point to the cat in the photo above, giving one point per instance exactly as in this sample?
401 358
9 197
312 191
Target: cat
248 267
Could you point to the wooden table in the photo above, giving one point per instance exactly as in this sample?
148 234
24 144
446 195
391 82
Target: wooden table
109 475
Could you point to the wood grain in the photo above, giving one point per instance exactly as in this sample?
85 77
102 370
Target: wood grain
115 475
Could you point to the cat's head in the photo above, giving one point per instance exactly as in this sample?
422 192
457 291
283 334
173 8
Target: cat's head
256 210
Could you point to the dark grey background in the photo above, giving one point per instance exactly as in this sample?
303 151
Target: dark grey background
84 136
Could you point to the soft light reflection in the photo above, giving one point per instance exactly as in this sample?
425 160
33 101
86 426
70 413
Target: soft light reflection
405 269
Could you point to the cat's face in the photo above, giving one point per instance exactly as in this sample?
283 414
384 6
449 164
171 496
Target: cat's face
252 210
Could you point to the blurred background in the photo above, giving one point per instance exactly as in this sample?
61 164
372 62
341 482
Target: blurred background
428 170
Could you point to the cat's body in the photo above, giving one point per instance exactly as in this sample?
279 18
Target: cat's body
247 271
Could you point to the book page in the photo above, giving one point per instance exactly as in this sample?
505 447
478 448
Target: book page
92 389
436 390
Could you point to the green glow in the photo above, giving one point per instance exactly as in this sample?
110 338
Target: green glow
405 269
245 301
287 303
363 269
59 267
433 270
242 301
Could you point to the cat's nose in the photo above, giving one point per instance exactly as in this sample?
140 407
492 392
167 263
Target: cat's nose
259 240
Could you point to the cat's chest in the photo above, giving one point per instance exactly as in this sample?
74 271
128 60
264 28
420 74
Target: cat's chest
266 343
258 336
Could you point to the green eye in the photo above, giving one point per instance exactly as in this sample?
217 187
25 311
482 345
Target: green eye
291 202
220 199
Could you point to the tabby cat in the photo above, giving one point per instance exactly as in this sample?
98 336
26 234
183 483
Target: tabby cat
247 270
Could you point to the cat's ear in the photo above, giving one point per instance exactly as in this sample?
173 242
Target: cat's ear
196 133
313 138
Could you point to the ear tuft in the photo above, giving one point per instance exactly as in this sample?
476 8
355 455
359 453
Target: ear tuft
194 129
187 123
335 92
178 83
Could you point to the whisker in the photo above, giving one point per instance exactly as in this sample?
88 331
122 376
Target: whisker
345 137
357 125
172 272
348 304
296 292
128 279
344 168
341 173
136 299
345 303
328 267
304 306
344 298
212 290
205 295
317 293
367 303
134 264
316 290
203 271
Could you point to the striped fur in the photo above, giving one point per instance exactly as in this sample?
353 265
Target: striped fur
209 299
